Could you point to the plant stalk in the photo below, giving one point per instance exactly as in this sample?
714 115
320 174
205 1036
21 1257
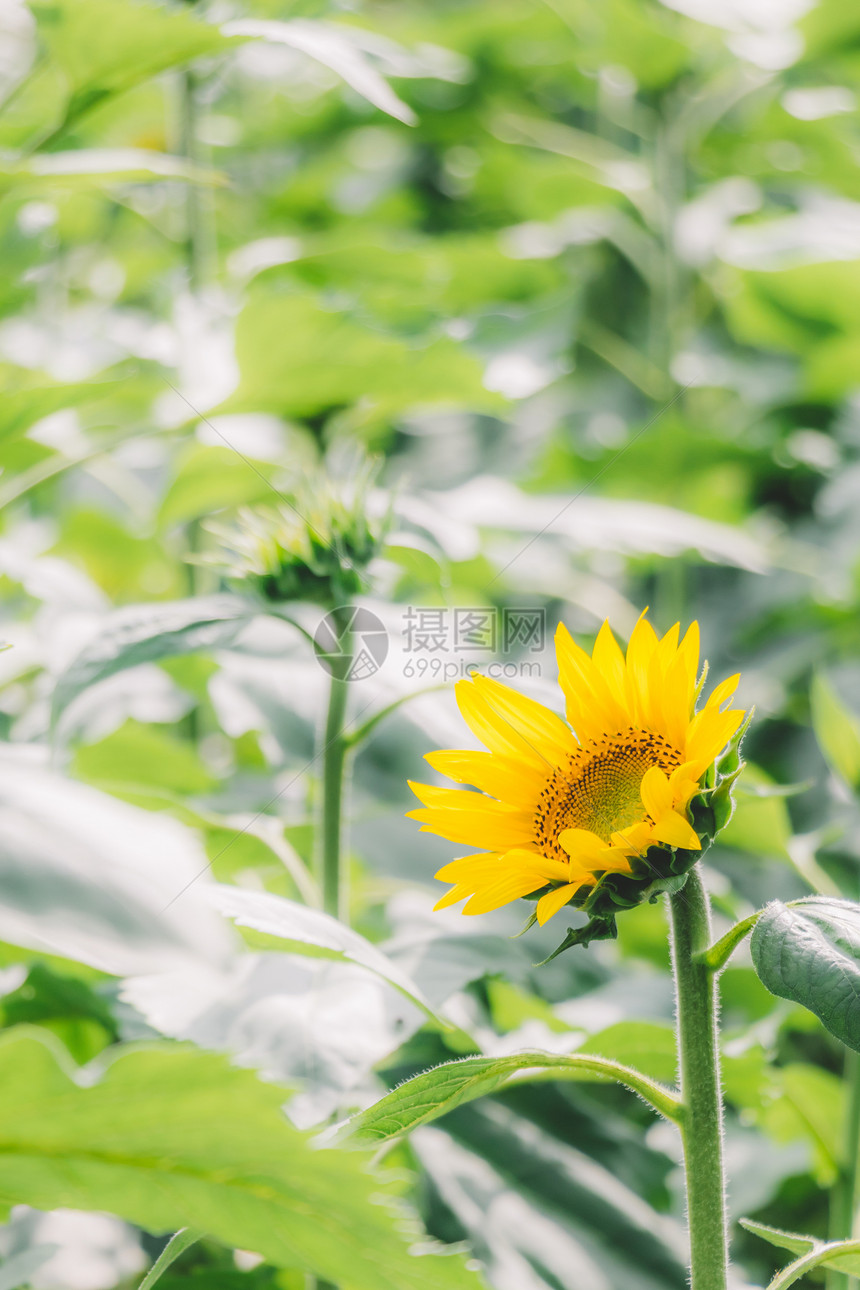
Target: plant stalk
329 831
330 826
843 1201
698 1061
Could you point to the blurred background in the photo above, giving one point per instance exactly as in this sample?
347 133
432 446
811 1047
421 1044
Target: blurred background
582 283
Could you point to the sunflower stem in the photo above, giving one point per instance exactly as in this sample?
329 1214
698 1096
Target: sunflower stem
699 1070
333 752
329 833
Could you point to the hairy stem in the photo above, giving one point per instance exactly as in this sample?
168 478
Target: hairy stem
698 1060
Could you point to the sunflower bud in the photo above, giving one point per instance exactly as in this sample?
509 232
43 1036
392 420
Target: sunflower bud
316 546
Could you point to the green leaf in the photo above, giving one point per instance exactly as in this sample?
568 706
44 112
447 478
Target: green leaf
138 754
299 379
146 633
435 1092
647 1046
810 953
304 928
760 824
782 1240
841 1255
718 954
69 1007
210 478
178 1244
837 731
336 48
105 47
171 1134
806 1101
27 397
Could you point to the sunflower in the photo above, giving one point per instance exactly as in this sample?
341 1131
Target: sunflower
561 806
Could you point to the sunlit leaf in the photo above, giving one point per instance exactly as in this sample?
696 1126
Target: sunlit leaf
425 1097
140 1143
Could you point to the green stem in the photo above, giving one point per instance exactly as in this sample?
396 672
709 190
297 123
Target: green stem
330 830
843 1202
702 1126
329 834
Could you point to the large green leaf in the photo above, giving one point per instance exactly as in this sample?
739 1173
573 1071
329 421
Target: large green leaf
145 633
435 1092
172 1135
310 930
810 953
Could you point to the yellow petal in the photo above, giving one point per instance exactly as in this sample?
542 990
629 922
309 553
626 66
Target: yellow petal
634 839
510 779
585 689
540 728
451 897
688 651
494 731
555 900
531 862
723 691
502 893
471 818
591 852
482 864
709 733
655 792
675 831
581 844
609 661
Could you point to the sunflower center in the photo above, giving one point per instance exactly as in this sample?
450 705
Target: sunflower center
599 788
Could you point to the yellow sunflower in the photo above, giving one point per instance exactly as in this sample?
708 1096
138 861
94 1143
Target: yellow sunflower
561 807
